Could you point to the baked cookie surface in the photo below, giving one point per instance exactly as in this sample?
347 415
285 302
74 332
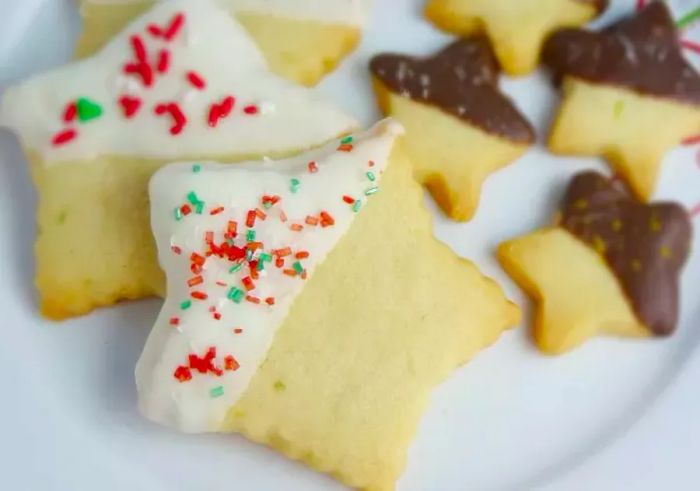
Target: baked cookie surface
301 40
618 84
94 131
517 29
459 126
343 382
611 266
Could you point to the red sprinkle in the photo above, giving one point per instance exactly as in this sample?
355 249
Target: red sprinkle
346 147
186 209
205 364
221 283
130 105
313 168
252 299
197 259
313 221
154 30
250 219
217 316
174 321
692 140
270 300
295 227
260 214
221 110
326 219
690 45
238 330
199 295
174 27
139 48
283 216
176 114
163 63
290 272
143 70
63 137
251 109
196 80
349 199
231 229
217 210
248 283
301 255
279 262
70 112
182 373
176 249
286 251
194 281
230 362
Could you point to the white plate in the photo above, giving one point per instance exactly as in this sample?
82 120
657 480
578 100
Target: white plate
511 419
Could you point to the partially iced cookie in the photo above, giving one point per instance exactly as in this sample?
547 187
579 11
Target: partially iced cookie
302 40
309 306
459 126
517 28
629 95
611 266
184 81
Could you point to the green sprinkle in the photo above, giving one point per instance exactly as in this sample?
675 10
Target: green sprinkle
250 235
688 18
298 267
267 204
356 206
370 175
347 139
248 255
199 208
294 185
260 266
236 294
216 392
196 168
186 304
235 268
265 257
178 213
192 198
372 190
87 109
279 386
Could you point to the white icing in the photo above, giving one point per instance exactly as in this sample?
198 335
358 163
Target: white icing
348 12
188 406
211 44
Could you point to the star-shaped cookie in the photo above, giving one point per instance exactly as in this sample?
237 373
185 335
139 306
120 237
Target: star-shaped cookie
301 40
310 307
517 28
183 81
611 266
629 95
459 126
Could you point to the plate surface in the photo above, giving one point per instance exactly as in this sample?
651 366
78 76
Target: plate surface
511 419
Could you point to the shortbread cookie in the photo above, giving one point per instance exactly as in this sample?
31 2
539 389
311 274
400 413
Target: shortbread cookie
611 266
309 307
459 126
184 81
517 28
302 40
629 95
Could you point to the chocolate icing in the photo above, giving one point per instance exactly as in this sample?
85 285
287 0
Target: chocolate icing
645 245
641 53
461 80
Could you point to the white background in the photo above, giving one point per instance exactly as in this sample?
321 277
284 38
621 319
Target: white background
615 414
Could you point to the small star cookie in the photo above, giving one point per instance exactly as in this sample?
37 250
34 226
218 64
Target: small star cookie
301 40
611 266
517 28
183 81
459 126
314 311
628 94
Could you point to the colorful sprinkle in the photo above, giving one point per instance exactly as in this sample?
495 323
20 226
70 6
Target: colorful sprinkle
250 235
182 373
174 321
163 63
294 184
313 221
313 168
70 112
689 18
196 80
174 27
371 176
371 191
347 139
63 137
186 304
216 392
230 363
298 267
130 105
251 109
345 148
236 294
270 301
356 206
199 295
348 199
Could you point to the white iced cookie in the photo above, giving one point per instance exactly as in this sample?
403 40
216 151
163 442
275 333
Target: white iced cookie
183 81
237 244
301 39
310 307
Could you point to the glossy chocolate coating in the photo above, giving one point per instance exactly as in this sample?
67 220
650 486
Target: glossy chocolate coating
645 245
461 80
640 53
